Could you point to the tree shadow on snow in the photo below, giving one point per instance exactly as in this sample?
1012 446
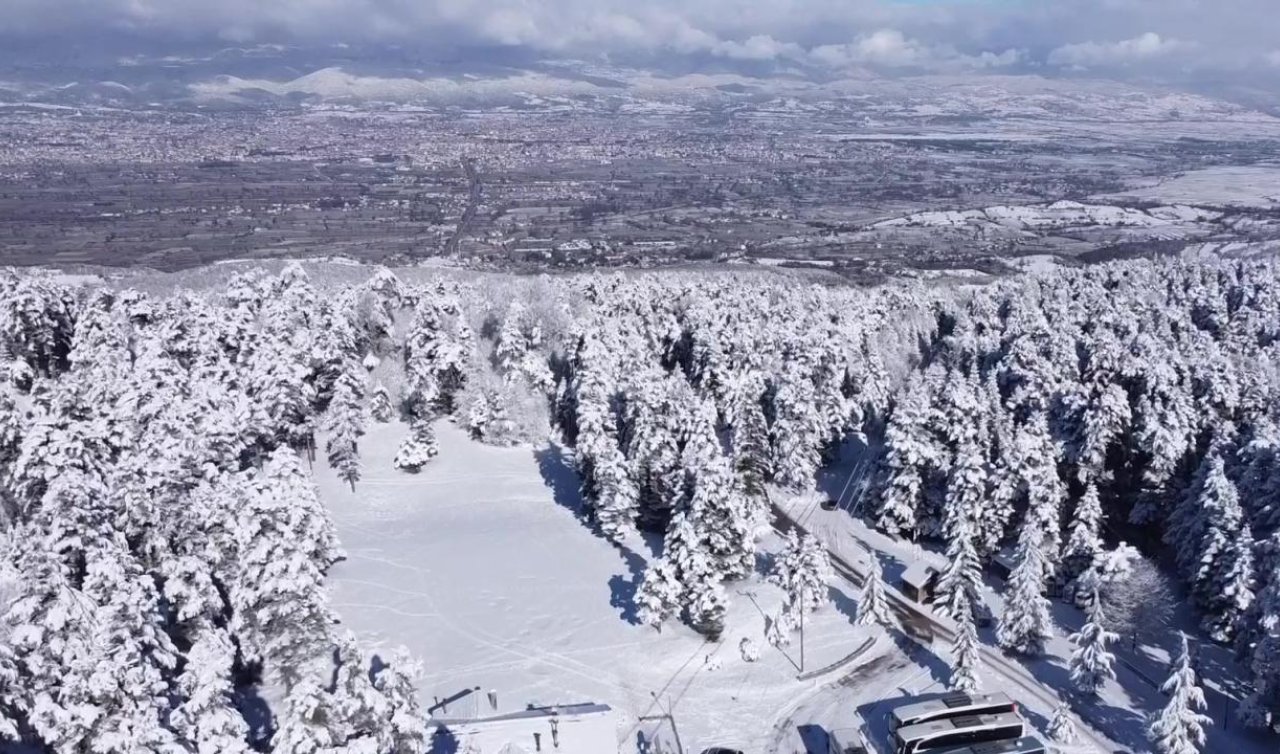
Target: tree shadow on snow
443 741
1124 726
844 603
764 562
562 478
939 670
891 569
622 590
256 713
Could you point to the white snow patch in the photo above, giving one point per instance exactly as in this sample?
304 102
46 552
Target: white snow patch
492 583
1217 186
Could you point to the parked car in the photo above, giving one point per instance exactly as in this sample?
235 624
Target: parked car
720 750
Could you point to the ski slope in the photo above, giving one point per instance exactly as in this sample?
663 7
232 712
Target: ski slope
481 566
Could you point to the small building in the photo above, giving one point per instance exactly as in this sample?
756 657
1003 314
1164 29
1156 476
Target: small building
919 582
1003 563
568 729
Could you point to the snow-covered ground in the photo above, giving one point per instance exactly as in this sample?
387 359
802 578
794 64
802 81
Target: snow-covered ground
1061 214
1118 714
481 566
1217 186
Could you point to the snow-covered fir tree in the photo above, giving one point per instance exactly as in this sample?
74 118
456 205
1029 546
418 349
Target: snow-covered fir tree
344 423
617 501
874 606
1092 659
418 448
965 648
381 408
661 594
207 716
751 446
1062 727
802 570
1025 624
963 570
405 722
1084 540
1179 728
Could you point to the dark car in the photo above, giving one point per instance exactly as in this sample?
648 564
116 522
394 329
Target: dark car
830 504
720 750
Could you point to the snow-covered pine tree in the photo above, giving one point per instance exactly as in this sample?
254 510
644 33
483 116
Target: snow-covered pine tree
1084 541
661 594
1037 468
965 648
652 451
1229 605
703 597
513 344
381 407
1106 419
706 603
125 676
418 448
361 712
617 499
344 423
207 718
1025 624
9 680
405 723
798 430
1091 661
1262 706
277 379
802 570
910 452
724 518
1062 728
874 606
778 628
307 722
479 415
280 614
48 630
751 446
963 571
1179 727
1219 522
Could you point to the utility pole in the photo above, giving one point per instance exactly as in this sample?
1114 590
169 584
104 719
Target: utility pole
802 627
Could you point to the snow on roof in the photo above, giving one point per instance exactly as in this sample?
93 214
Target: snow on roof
918 574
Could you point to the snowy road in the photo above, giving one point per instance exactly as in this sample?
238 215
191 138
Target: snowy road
993 662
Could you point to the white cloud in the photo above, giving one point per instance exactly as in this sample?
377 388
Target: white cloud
1155 35
1141 48
757 47
890 48
1273 58
886 47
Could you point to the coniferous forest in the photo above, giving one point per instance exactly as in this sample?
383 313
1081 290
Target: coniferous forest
1110 428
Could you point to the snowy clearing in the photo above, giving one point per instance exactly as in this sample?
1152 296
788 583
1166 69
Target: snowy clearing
481 567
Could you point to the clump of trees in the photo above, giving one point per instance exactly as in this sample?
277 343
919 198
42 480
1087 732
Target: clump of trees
155 457
168 542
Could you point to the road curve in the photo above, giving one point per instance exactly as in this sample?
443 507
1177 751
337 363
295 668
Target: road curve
911 611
